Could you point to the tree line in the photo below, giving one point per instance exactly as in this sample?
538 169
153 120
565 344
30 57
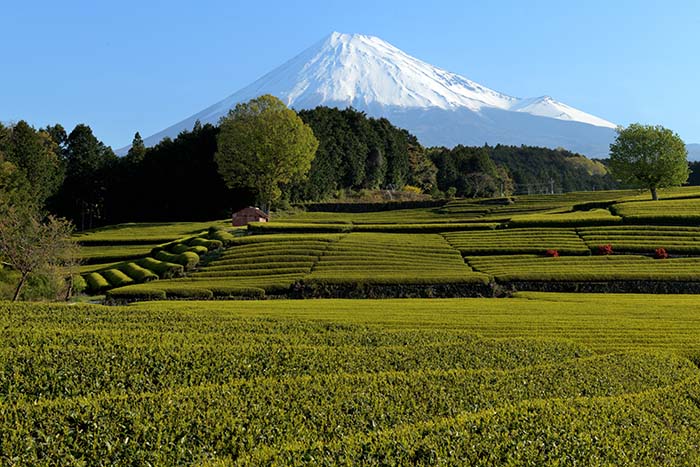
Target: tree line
76 176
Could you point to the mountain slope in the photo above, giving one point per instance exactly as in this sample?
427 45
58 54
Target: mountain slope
440 107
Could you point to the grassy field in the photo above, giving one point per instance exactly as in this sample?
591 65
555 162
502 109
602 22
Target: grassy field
539 379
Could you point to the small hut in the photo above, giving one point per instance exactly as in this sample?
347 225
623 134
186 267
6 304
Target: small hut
247 215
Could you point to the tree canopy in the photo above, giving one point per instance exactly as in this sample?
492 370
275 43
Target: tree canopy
650 157
262 144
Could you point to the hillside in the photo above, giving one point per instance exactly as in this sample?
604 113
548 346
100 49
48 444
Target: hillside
607 241
193 377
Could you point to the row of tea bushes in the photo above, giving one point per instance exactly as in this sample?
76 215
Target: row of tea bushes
393 258
651 428
249 267
664 211
508 268
518 241
165 261
355 383
677 240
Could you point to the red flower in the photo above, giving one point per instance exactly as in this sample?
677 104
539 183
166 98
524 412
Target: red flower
551 253
605 249
660 253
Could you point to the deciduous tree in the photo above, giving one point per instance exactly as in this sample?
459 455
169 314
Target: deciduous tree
262 144
650 157
28 245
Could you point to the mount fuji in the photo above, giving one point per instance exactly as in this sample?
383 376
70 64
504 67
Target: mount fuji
441 108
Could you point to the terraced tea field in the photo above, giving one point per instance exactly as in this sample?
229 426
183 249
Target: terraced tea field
410 252
538 379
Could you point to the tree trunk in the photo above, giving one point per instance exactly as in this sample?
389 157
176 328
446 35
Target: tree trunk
69 289
19 286
654 194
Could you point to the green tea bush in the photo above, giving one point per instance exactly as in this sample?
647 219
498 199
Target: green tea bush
135 294
137 273
164 269
187 259
79 283
116 278
189 293
244 292
224 237
206 243
96 283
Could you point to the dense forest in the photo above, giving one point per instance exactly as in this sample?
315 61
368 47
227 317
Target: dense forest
76 176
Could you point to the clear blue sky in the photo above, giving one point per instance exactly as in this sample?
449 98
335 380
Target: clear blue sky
130 66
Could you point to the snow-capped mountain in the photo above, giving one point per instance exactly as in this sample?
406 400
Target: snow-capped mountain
439 107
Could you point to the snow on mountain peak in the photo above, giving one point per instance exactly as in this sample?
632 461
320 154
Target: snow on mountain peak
361 70
372 75
546 106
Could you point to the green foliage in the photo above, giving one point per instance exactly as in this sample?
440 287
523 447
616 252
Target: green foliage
644 239
131 294
262 145
206 243
221 235
543 170
561 219
586 268
650 157
469 171
137 273
664 211
137 151
182 247
187 259
79 283
96 283
37 158
164 269
340 382
29 244
87 161
517 241
116 278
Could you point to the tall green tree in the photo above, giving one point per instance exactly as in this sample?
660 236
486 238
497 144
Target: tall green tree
263 145
88 162
37 157
650 157
137 151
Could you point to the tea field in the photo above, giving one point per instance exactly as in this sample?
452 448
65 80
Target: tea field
607 241
536 379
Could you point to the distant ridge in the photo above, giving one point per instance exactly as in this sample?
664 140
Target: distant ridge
439 107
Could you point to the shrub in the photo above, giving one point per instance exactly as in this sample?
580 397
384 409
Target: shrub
137 273
551 253
412 189
187 259
182 248
79 284
605 249
116 278
133 294
221 235
189 293
164 269
95 282
209 244
247 292
660 253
